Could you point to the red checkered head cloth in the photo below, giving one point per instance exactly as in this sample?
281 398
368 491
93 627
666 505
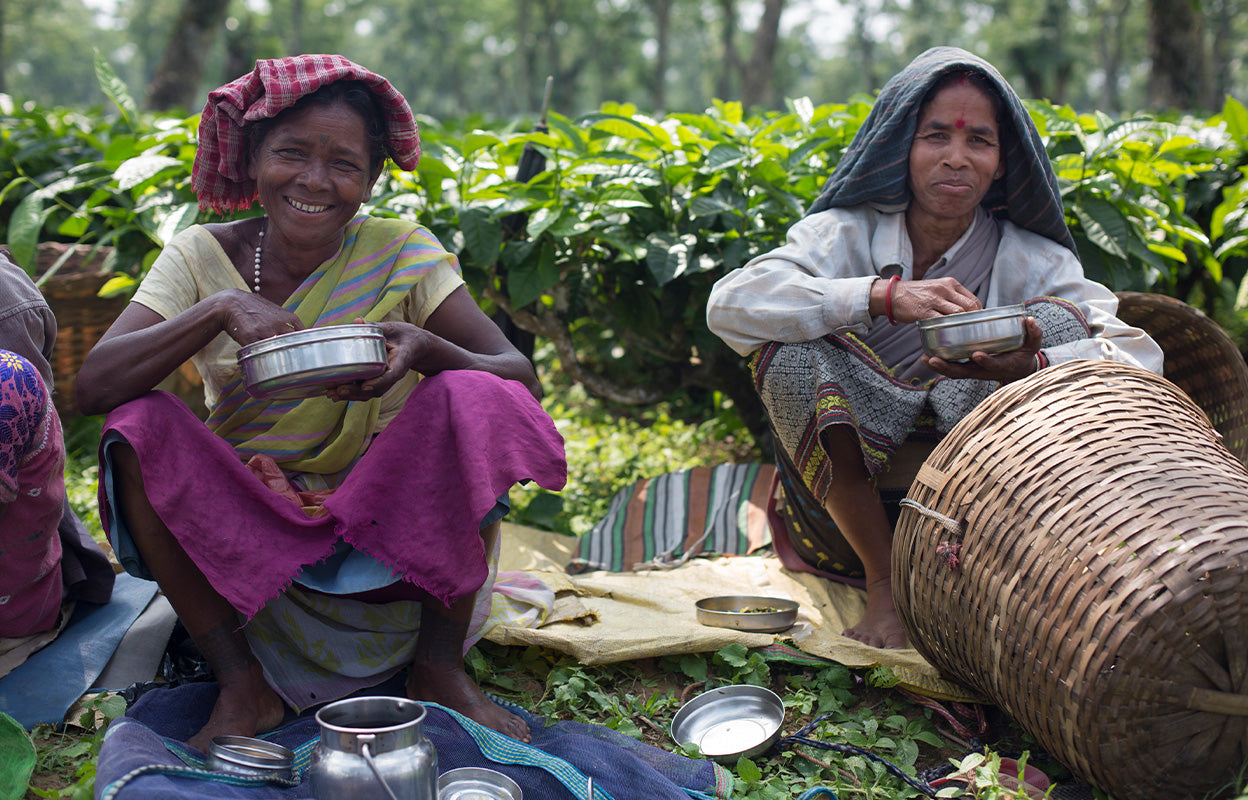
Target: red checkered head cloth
220 173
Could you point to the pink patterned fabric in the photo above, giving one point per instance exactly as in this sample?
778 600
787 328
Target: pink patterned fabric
32 494
414 501
220 171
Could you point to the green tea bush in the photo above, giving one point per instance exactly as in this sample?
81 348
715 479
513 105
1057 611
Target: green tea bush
608 247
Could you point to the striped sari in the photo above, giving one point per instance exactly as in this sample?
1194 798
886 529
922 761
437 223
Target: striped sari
379 263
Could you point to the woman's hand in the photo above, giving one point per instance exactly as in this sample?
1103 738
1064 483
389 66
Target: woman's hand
911 301
1002 367
248 318
405 344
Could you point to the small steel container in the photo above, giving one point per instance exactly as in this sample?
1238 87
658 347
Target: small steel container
247 756
954 337
730 722
747 613
304 363
477 783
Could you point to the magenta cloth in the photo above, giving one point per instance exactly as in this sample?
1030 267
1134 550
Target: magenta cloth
32 496
219 174
414 501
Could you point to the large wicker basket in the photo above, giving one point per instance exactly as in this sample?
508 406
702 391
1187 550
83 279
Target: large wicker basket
1075 550
82 316
1200 358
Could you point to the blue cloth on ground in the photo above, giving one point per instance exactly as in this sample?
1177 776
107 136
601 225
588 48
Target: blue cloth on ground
43 688
143 756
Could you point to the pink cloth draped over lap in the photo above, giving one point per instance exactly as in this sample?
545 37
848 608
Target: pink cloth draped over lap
414 501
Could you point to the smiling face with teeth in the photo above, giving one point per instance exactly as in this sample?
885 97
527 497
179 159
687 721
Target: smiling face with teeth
313 170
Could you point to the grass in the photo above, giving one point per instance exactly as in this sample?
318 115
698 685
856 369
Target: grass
608 449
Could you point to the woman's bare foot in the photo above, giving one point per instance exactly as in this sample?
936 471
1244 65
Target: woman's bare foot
449 685
880 626
247 705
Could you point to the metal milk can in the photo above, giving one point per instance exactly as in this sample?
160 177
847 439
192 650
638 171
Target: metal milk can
373 748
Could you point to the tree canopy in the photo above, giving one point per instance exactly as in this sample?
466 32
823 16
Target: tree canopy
491 57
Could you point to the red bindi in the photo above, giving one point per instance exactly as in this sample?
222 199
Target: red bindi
960 124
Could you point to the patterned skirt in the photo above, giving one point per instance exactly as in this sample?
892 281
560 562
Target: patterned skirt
836 380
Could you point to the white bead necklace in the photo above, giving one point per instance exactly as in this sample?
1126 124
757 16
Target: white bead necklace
259 246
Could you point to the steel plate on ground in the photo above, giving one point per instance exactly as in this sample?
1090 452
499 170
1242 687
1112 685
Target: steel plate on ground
747 613
730 722
477 783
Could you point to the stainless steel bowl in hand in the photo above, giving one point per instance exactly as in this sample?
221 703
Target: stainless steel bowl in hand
954 337
304 363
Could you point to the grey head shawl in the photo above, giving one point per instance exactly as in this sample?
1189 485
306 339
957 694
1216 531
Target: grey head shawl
875 166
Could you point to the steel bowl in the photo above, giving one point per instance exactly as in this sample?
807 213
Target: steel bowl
730 722
477 783
954 337
305 363
747 613
244 755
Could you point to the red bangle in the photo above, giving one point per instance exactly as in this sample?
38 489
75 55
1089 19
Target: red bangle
888 299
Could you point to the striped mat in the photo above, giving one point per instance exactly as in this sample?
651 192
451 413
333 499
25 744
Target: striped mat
661 522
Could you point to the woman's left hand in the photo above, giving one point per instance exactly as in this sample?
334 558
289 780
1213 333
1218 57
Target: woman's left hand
1002 367
404 344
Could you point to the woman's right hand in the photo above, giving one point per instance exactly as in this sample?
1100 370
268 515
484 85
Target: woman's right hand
248 317
141 347
912 301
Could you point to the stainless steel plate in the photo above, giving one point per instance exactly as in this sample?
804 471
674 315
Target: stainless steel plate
954 337
477 783
747 613
304 363
730 722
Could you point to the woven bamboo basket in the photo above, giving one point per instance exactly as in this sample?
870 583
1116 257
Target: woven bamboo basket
1075 550
82 316
1200 358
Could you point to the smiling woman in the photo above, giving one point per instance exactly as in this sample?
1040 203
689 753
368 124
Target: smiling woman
276 528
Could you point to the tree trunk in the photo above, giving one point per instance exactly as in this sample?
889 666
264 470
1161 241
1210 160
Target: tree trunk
1112 37
1176 45
1220 80
295 42
864 45
2 60
176 82
528 88
731 65
757 86
662 10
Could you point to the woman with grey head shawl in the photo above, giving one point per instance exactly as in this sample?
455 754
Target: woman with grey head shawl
944 202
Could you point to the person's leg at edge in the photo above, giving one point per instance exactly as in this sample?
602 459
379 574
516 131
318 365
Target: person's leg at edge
855 507
438 674
246 705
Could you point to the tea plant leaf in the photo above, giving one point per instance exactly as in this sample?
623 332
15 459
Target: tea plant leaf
139 170
115 89
748 770
1104 225
25 226
483 234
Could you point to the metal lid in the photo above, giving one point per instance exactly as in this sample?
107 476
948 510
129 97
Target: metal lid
968 317
329 333
252 754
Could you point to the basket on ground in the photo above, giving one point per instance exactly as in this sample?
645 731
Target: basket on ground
1201 359
1075 550
82 316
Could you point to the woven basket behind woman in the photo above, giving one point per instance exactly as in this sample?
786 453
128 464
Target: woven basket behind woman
1094 586
1200 358
82 316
